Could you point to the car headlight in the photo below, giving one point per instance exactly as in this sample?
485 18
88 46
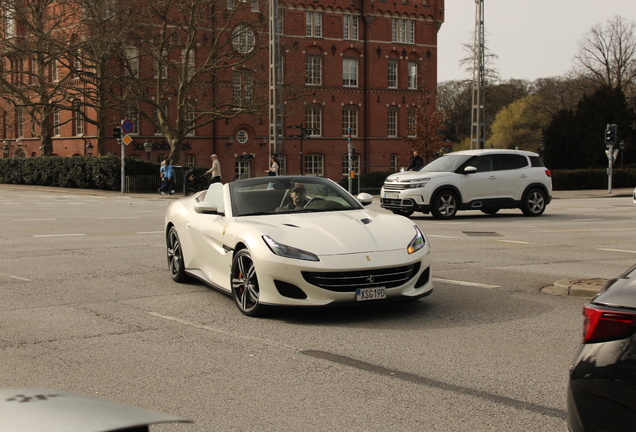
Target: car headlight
288 251
418 241
418 183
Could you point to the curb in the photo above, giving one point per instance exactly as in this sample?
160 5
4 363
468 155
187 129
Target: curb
586 288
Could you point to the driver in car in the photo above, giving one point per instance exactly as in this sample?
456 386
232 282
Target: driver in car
298 196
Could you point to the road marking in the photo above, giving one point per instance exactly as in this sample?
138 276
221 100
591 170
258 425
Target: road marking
473 284
514 241
617 250
32 220
150 232
223 332
16 277
58 235
120 217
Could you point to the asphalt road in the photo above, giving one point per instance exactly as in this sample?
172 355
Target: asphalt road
87 306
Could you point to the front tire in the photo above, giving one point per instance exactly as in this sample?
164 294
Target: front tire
534 203
405 213
444 205
176 266
245 289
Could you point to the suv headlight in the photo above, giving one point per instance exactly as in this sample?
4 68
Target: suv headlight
418 242
418 183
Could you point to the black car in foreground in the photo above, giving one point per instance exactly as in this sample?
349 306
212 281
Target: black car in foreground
602 387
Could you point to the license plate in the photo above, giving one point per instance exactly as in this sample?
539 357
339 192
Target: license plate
370 293
392 195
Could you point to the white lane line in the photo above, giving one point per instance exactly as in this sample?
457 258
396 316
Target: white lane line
12 203
150 232
58 235
223 332
32 220
617 250
514 241
473 284
16 277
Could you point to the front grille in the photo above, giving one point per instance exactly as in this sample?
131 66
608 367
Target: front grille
349 281
395 186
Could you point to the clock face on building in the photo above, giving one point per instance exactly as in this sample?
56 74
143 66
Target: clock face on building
243 39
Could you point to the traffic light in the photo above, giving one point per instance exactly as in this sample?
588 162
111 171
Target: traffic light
117 132
349 134
611 134
352 154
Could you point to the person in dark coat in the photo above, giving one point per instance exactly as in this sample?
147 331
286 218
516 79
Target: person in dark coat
416 162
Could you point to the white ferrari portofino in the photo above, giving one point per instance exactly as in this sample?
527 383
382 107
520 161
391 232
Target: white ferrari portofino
295 241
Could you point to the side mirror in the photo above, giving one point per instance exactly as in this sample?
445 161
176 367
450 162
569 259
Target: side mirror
365 199
205 208
470 170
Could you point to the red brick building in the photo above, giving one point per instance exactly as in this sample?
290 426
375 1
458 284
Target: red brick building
346 65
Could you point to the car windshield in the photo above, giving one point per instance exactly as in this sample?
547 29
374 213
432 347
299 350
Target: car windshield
446 163
286 194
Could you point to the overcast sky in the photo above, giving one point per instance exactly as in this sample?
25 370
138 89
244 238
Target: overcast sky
533 39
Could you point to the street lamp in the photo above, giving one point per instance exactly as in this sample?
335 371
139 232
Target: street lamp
89 149
148 148
622 146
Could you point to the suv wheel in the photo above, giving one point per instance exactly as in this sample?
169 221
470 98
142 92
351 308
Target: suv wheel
444 205
533 203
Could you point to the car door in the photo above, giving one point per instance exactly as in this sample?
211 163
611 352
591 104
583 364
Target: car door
480 185
514 172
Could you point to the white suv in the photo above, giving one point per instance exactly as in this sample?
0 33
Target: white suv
486 180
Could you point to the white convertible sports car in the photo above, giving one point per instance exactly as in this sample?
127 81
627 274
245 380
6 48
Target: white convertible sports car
295 241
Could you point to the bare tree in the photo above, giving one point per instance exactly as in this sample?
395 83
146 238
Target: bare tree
607 55
423 135
36 34
204 57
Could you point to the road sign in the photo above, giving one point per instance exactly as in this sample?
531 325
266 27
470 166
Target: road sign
293 127
126 139
127 126
295 136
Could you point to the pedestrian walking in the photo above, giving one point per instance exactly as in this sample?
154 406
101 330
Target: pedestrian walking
416 162
166 172
215 171
273 169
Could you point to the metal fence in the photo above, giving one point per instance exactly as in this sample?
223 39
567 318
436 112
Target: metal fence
151 183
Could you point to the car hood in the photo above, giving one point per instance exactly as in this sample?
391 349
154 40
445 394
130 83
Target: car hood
412 175
334 233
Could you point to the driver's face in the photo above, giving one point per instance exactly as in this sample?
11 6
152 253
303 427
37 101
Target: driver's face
298 198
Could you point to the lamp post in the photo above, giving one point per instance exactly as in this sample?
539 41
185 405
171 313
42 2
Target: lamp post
148 148
622 146
89 149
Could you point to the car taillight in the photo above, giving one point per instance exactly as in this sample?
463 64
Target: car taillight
548 173
604 324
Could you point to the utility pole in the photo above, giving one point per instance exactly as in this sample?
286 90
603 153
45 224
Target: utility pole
275 79
478 112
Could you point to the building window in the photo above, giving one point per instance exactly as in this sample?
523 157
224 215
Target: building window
189 119
161 65
350 72
242 89
56 122
412 72
313 70
393 161
133 116
350 29
355 162
393 73
243 39
410 122
55 75
255 7
392 122
315 165
19 122
313 117
242 169
132 61
242 136
350 121
189 161
313 24
281 15
403 30
9 20
78 119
